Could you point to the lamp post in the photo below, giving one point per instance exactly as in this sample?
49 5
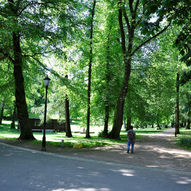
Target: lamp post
46 83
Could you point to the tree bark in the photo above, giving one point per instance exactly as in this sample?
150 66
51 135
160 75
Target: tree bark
188 124
106 120
2 111
128 97
25 128
108 78
128 123
177 110
118 120
13 117
67 117
90 69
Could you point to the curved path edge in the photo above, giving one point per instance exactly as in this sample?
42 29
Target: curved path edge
96 161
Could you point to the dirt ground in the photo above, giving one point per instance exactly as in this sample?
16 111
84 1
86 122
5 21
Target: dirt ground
154 151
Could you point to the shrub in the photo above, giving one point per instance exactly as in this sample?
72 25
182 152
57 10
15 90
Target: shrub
102 134
185 141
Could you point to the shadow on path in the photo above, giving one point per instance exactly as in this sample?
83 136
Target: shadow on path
154 151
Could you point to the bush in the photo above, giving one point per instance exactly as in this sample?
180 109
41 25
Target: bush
185 141
102 134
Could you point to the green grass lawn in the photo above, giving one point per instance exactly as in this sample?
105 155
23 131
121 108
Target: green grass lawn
184 138
77 141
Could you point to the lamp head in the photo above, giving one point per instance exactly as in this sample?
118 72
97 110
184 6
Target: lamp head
46 81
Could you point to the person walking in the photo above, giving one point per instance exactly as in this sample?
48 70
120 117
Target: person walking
131 139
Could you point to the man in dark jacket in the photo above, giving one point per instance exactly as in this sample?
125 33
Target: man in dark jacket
131 139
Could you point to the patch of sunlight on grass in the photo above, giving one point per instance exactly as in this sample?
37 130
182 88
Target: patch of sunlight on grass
55 138
145 131
9 136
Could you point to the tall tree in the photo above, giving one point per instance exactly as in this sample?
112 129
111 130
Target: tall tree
67 116
107 66
183 41
188 112
2 111
107 100
17 61
135 13
13 116
32 32
90 67
177 110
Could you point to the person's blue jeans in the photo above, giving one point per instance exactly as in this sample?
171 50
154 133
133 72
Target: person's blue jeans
130 144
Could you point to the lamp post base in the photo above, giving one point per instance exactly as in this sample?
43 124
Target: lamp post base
43 148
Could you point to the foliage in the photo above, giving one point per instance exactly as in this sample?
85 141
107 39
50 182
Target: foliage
54 139
54 40
184 140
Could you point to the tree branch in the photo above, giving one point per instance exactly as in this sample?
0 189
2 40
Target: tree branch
37 53
131 6
148 40
64 80
136 5
6 55
120 18
126 18
3 57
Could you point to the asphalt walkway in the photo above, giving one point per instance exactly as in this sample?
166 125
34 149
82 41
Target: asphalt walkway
29 170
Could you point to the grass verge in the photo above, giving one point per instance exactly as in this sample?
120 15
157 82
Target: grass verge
77 141
184 139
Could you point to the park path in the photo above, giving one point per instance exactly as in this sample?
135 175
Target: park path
153 151
29 170
157 151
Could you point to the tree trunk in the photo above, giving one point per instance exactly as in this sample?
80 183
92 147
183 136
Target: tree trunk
67 116
2 111
25 128
125 125
89 101
132 21
106 120
118 118
128 123
128 110
172 124
108 78
90 69
13 117
188 124
177 111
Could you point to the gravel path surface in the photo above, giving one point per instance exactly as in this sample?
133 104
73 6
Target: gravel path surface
154 151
